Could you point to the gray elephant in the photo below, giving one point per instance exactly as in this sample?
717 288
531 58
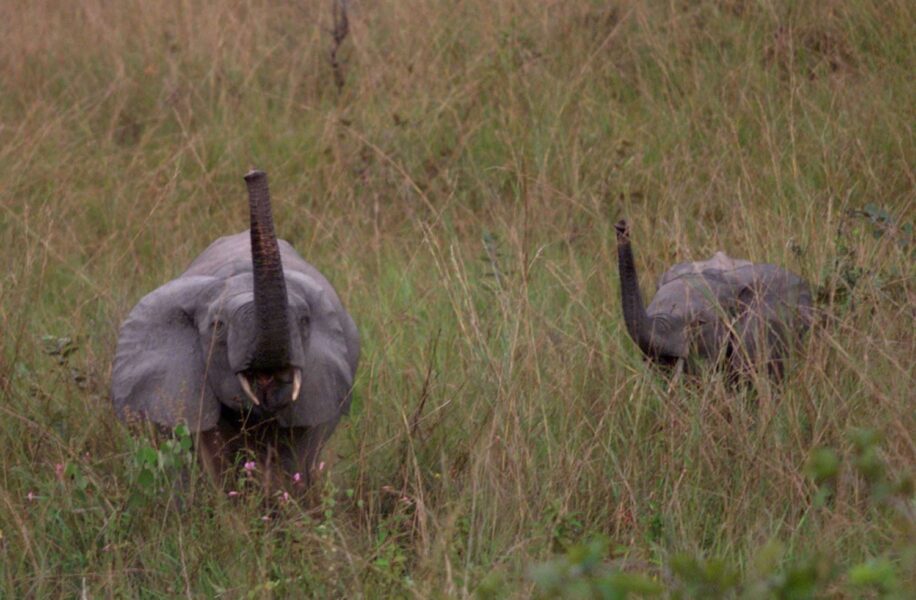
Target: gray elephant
730 311
250 347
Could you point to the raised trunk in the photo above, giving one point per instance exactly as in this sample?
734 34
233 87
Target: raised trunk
270 302
634 311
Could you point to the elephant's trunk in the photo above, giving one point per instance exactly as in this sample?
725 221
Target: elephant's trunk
272 350
634 312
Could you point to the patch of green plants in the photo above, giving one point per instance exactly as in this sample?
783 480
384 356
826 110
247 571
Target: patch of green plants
587 570
159 471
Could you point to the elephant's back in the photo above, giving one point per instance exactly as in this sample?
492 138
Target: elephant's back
778 289
692 296
774 278
712 294
720 263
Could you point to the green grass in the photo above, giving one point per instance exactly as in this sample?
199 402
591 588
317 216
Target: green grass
459 192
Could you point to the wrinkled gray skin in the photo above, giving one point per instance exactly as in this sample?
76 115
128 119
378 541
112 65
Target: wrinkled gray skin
733 312
236 316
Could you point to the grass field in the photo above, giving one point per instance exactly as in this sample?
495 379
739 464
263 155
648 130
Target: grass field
459 190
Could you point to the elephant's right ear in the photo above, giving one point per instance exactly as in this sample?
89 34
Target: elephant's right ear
159 371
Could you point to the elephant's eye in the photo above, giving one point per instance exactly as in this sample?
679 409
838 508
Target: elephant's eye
218 328
305 321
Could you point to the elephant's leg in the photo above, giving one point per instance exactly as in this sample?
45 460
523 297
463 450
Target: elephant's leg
256 442
748 348
301 449
269 458
762 348
216 448
211 450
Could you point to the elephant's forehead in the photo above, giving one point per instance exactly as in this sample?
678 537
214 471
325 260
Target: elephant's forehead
236 290
691 296
237 293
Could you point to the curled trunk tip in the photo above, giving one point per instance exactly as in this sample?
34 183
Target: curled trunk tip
255 176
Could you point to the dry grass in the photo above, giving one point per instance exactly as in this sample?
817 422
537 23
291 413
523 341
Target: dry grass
460 192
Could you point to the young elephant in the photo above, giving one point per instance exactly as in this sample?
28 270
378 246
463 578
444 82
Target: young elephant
250 347
730 311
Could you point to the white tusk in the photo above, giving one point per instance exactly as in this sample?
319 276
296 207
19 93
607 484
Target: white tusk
246 387
297 383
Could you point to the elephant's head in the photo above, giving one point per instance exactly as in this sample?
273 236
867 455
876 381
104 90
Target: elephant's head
254 326
239 333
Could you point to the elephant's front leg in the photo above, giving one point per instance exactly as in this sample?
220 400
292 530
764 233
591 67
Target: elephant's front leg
300 452
214 450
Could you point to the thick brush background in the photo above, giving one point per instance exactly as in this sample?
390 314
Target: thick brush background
459 190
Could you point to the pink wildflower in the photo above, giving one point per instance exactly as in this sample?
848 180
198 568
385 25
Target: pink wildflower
233 494
249 466
31 496
59 471
321 466
297 477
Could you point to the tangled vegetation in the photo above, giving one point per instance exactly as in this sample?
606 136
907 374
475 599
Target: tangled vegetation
455 169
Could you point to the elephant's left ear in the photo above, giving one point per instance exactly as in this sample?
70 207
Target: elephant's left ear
331 355
159 371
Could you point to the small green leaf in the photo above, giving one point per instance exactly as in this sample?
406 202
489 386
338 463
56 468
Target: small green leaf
877 572
870 465
864 438
768 557
146 479
823 465
633 583
147 456
136 501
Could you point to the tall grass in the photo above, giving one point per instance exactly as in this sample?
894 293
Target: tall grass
459 191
